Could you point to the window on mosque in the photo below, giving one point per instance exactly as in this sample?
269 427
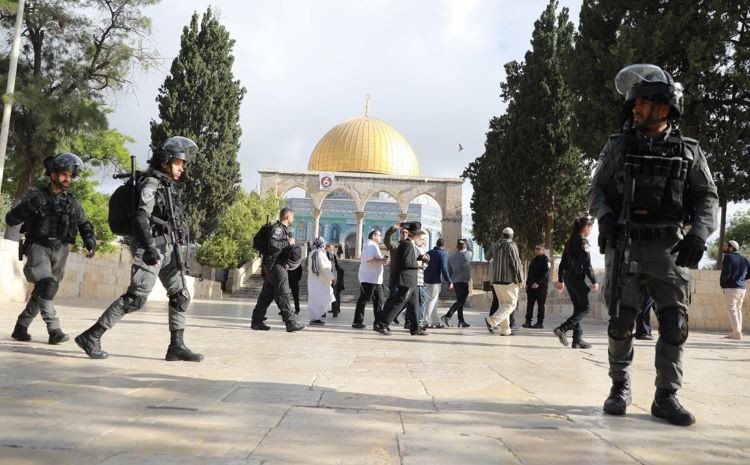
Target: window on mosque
301 231
335 233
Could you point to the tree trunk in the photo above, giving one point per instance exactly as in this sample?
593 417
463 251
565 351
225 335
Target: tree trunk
548 222
722 234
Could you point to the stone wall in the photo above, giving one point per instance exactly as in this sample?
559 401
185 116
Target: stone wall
707 308
101 277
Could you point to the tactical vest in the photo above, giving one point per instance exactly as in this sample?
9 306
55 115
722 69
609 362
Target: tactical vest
659 169
54 221
161 214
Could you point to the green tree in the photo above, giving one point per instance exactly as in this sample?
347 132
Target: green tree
74 55
704 44
201 100
231 244
532 142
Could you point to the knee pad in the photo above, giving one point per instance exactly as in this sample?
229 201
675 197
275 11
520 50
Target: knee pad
180 300
673 325
621 328
132 302
46 288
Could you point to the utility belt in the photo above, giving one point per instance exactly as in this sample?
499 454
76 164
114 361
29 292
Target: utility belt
654 233
51 242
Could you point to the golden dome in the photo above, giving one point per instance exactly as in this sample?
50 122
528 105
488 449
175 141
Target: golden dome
364 145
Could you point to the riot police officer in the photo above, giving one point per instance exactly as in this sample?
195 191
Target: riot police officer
52 218
158 220
274 266
653 195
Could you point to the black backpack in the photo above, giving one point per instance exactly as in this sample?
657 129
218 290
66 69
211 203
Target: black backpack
262 237
124 202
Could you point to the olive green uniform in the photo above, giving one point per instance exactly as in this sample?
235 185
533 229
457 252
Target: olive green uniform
674 195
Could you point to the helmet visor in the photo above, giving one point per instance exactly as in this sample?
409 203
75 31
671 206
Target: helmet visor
179 144
637 75
67 162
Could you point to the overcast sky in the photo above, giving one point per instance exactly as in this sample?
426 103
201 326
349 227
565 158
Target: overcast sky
432 68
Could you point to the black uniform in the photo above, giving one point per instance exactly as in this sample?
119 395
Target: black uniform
275 277
574 268
50 223
538 274
339 286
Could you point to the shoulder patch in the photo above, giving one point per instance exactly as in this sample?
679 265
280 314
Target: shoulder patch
147 194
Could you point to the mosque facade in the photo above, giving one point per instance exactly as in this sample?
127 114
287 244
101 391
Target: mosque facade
364 175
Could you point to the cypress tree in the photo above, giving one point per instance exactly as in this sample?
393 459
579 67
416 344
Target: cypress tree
201 100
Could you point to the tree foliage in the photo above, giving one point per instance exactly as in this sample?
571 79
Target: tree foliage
201 100
73 55
231 244
704 44
531 176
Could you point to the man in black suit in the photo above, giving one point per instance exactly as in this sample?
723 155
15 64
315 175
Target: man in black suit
405 268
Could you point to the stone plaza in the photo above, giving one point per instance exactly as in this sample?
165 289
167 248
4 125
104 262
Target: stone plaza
335 395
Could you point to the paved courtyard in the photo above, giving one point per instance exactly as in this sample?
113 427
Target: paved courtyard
335 395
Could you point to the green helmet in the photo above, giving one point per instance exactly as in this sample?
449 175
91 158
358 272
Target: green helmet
176 147
63 162
650 82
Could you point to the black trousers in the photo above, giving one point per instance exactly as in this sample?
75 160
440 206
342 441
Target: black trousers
405 297
294 277
538 295
275 289
462 293
367 292
579 293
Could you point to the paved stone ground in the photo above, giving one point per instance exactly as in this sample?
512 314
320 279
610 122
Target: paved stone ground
334 395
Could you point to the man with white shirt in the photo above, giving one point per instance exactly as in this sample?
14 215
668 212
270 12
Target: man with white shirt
370 278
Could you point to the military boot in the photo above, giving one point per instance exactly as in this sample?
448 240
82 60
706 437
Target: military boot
667 406
56 336
578 342
178 350
21 333
619 399
560 333
292 326
89 341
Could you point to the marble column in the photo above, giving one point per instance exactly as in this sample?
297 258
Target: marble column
360 223
316 222
403 216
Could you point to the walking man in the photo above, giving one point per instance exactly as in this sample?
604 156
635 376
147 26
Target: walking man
507 279
460 268
735 269
434 274
158 219
536 287
52 218
370 278
275 276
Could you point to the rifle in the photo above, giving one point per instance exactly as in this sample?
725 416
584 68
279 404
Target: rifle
173 237
621 263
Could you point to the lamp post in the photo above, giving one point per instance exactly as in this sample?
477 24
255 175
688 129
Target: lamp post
10 88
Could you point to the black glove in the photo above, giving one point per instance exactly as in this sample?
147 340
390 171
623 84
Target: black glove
151 256
608 226
90 245
689 251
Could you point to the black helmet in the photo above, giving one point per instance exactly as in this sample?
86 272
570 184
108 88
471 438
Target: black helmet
63 162
650 82
176 147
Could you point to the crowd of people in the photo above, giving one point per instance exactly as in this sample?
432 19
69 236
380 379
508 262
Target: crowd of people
651 194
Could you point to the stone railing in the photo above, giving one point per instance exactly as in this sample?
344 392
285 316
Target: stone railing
101 277
707 307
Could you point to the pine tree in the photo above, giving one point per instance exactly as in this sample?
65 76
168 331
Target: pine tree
704 44
201 100
531 174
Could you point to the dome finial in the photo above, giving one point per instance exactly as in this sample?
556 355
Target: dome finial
367 105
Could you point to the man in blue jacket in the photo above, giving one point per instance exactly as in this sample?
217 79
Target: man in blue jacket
436 269
735 269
